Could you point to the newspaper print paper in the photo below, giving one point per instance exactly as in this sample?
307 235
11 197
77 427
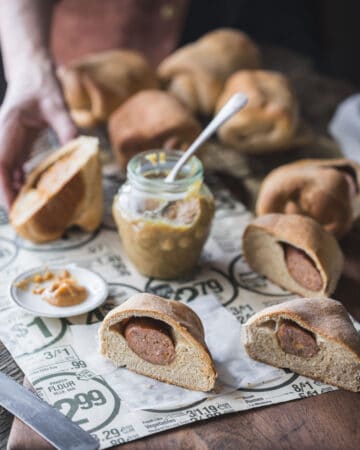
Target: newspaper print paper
234 367
44 349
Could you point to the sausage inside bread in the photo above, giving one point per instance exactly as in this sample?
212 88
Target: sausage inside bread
310 336
158 338
64 190
294 252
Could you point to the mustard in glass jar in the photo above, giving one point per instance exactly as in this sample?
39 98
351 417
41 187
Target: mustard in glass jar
163 226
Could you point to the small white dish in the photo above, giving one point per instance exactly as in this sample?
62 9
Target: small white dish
33 303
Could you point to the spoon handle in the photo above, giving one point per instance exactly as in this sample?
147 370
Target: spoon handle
232 106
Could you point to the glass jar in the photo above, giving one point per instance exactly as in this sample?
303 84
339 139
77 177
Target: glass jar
163 226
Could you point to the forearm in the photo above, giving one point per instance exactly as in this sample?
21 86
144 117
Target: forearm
24 33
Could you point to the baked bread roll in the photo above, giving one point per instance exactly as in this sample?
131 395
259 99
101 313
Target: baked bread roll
94 86
196 73
269 121
312 337
326 190
64 190
150 120
158 338
294 252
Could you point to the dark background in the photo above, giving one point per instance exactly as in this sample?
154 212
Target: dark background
327 31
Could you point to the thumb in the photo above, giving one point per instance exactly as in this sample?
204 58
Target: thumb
58 118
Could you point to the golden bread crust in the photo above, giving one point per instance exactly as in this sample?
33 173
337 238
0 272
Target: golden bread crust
336 360
270 120
95 85
273 230
317 188
196 72
150 120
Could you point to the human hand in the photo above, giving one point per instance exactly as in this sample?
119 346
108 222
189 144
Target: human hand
33 100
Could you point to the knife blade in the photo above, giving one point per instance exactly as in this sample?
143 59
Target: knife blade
43 418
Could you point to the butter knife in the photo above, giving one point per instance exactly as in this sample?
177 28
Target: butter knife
43 418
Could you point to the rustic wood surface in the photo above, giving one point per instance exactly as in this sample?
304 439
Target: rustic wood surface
329 421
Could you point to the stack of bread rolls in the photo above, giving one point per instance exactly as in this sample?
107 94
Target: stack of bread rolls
196 80
302 208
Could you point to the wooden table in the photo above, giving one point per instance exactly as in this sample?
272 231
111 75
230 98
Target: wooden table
329 421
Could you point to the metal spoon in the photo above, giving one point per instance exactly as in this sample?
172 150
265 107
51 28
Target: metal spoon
232 106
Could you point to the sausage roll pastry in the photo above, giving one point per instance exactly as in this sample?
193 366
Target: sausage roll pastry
64 190
326 190
269 121
294 252
94 86
196 73
158 338
312 337
150 120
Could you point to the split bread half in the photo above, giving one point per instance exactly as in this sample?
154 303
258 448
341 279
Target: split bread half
312 337
294 252
64 190
159 338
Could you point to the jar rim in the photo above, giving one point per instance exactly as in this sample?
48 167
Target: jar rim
163 160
